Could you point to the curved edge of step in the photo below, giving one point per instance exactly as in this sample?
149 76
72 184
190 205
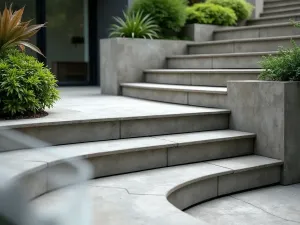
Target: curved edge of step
157 192
35 168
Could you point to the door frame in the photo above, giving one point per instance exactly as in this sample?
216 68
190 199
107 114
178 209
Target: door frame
93 62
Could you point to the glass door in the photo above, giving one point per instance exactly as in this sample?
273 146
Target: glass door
67 40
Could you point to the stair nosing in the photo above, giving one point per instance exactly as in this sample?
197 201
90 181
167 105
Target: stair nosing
222 55
276 6
226 29
274 17
244 40
280 11
191 89
203 71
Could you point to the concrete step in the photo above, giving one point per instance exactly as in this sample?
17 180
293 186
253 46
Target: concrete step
215 97
281 11
242 45
137 154
200 77
118 118
274 19
152 191
257 31
268 9
270 4
217 61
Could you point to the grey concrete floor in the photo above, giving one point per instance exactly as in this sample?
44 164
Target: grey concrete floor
268 206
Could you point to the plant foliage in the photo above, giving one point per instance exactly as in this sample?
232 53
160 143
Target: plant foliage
168 14
135 25
26 86
211 14
14 32
242 8
282 67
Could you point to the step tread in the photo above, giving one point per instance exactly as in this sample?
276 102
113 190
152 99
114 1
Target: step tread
171 87
203 71
245 40
112 147
160 181
222 55
225 29
281 10
275 17
112 108
282 4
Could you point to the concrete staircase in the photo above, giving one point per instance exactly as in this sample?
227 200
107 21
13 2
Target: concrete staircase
164 137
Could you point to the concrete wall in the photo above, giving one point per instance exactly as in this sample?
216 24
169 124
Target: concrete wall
259 5
124 60
271 110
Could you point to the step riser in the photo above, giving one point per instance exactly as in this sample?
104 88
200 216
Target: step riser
271 21
272 9
159 158
280 13
228 62
189 195
210 79
280 3
286 30
178 97
99 131
239 47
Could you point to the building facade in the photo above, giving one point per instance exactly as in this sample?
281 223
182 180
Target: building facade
70 40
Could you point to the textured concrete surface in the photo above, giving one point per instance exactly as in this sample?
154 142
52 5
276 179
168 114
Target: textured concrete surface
200 32
278 205
124 60
271 111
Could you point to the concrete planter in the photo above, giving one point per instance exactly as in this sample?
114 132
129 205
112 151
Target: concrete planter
272 111
124 60
200 32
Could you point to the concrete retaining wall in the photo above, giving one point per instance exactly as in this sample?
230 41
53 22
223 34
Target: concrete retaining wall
124 60
272 111
200 32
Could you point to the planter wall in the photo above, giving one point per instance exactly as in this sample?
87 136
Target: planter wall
272 111
259 6
124 60
200 32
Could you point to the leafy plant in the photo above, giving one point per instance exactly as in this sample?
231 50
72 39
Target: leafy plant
211 14
282 67
14 33
135 25
169 14
242 8
26 86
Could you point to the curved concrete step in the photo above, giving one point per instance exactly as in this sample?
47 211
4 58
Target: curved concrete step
217 61
137 154
268 9
145 197
281 11
274 19
256 31
117 118
242 45
200 77
180 94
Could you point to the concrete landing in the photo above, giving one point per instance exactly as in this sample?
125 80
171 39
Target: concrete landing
277 205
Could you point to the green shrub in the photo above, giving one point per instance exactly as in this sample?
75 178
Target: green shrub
242 8
134 25
169 14
285 66
211 14
26 86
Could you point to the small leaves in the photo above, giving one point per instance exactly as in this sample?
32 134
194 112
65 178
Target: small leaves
15 33
26 86
134 25
282 67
